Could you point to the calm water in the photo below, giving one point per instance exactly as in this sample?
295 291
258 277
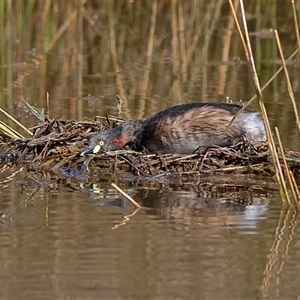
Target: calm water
195 238
72 240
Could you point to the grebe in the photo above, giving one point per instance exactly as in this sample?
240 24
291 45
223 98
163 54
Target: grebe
182 129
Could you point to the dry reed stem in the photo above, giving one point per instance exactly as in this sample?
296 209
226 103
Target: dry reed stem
149 55
211 17
225 53
289 85
44 6
175 52
113 49
197 33
274 154
272 78
89 18
205 30
9 131
79 54
15 121
48 104
8 42
247 49
182 42
286 167
191 49
249 55
126 195
246 52
295 186
61 30
296 24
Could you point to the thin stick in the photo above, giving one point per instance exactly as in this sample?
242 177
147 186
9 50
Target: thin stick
296 24
289 85
113 49
286 167
182 41
10 131
61 30
274 154
227 42
246 51
175 43
271 143
295 186
264 86
250 55
269 81
48 107
149 56
126 195
15 121
121 100
245 48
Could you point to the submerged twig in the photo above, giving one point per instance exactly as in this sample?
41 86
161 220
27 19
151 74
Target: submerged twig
126 195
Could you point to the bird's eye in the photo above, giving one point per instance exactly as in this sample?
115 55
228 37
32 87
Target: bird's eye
101 143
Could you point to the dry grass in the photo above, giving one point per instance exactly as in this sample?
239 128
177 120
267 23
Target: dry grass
280 170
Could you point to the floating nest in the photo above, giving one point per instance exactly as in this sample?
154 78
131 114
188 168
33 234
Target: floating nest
56 146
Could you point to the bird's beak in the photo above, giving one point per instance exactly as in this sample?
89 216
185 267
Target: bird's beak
89 150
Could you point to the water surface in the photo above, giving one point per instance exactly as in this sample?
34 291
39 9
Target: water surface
208 237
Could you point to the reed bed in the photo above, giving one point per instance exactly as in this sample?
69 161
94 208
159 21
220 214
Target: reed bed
283 174
101 42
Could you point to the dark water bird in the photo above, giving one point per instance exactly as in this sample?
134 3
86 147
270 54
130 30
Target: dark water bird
182 129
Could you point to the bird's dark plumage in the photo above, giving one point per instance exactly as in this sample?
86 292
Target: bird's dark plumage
182 129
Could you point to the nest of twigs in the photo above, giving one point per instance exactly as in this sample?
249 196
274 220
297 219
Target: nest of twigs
56 147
